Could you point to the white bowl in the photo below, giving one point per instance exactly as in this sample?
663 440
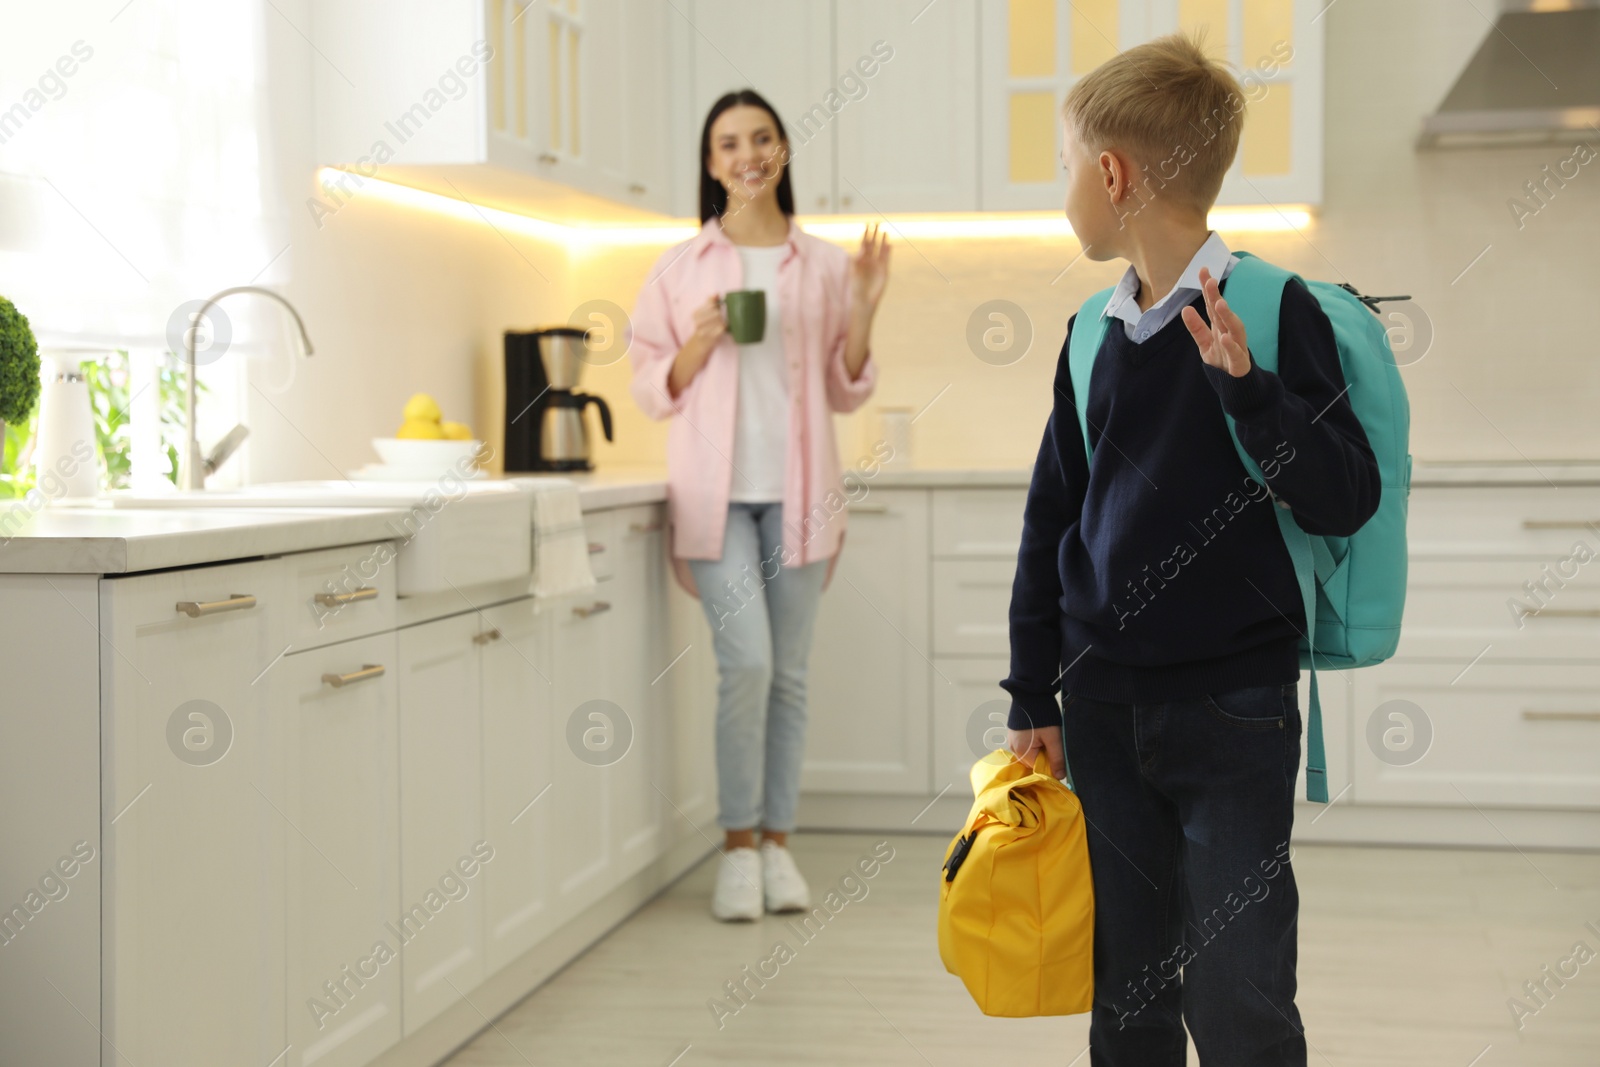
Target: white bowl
423 454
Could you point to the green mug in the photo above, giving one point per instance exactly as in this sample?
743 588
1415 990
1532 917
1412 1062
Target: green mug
747 315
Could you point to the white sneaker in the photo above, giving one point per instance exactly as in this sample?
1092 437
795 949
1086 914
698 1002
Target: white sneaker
738 893
786 889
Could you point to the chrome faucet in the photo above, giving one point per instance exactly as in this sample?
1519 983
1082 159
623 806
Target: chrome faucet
192 467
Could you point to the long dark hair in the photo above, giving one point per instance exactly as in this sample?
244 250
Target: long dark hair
713 197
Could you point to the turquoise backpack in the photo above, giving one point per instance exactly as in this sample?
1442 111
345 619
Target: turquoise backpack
1354 588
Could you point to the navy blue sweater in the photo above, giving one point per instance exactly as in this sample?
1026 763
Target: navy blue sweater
1160 574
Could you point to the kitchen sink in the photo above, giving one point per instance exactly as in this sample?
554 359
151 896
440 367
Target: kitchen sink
452 534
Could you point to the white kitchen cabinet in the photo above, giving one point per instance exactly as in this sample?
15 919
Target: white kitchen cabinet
1495 735
583 735
571 93
978 523
868 678
783 50
969 717
911 142
340 593
194 834
518 761
1458 608
1034 50
972 606
640 782
441 815
341 797
692 675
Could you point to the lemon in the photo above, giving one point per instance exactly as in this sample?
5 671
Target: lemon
425 429
423 407
456 431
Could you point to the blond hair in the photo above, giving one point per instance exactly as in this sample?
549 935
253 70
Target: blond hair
1167 103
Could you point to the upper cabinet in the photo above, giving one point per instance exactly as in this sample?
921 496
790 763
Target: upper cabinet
783 50
890 106
578 95
1034 50
909 142
573 92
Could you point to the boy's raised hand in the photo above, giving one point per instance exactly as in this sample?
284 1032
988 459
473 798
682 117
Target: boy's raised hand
1222 344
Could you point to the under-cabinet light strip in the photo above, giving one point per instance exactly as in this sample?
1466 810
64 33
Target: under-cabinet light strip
989 225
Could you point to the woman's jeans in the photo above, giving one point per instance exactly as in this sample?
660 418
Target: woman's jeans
1188 806
761 619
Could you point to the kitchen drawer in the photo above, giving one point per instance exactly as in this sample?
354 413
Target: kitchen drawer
1461 608
611 532
977 523
1502 734
1502 521
340 593
971 606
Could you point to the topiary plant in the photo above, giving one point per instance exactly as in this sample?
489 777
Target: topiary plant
19 368
19 364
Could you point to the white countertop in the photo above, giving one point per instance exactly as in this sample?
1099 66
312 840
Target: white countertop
105 540
101 539
81 540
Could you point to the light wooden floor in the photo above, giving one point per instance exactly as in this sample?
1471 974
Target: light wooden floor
1407 956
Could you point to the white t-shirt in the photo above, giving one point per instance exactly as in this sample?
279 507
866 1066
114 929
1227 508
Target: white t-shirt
761 422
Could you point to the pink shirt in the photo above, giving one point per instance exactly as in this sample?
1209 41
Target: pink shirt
813 288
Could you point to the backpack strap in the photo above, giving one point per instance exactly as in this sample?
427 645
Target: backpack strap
1255 293
1088 332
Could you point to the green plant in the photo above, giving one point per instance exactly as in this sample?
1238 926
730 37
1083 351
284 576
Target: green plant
19 364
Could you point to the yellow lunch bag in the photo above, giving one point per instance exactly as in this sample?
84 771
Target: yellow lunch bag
1016 905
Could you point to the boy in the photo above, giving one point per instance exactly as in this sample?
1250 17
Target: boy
1154 589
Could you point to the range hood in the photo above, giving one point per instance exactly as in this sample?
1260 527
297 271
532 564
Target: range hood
1535 78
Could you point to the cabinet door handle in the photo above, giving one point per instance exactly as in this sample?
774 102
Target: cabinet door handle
596 547
235 602
593 609
870 509
1561 716
637 189
646 527
367 672
336 600
549 157
485 637
1566 613
1558 524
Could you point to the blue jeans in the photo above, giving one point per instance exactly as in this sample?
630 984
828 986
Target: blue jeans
761 617
1189 806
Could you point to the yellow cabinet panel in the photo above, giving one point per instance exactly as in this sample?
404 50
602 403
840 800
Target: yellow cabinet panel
555 85
1209 16
1094 34
1268 26
1265 148
1033 137
1032 38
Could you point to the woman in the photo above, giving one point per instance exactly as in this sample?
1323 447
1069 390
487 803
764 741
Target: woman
752 465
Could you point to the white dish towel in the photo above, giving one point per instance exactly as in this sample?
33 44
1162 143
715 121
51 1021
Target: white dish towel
560 545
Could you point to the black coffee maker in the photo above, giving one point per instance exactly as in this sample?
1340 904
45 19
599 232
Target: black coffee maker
545 429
